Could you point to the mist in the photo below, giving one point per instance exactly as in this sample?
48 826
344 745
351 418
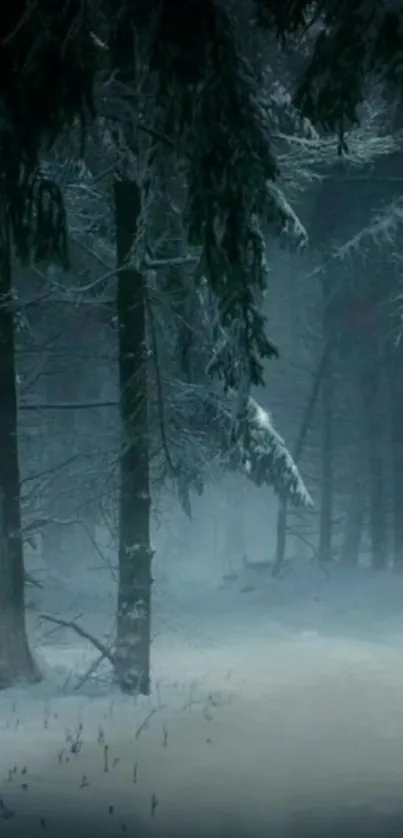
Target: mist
201 405
275 703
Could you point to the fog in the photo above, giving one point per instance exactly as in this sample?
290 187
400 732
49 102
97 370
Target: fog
276 705
276 698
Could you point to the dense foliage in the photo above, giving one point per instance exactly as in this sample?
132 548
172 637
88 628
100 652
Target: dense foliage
208 109
206 103
351 43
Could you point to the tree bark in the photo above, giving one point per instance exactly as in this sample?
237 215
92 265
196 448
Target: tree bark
327 443
327 477
372 383
62 383
354 524
357 493
132 667
16 662
395 367
235 545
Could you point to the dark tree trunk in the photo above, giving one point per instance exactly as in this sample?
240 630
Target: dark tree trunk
132 656
135 554
327 477
61 551
235 548
357 490
395 367
372 391
354 523
16 662
281 536
327 445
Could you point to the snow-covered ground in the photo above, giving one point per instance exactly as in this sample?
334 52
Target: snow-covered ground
275 712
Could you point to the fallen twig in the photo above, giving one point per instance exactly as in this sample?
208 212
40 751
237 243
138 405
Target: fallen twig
102 649
144 723
90 671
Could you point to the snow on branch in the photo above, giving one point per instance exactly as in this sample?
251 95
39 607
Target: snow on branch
306 159
281 216
305 155
382 230
202 438
266 459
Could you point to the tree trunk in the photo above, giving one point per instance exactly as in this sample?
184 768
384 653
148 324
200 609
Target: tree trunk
326 497
235 545
357 491
302 437
395 367
327 444
16 662
281 536
63 385
354 524
132 668
372 383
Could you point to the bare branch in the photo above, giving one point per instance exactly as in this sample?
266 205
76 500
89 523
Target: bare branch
86 635
90 671
67 405
178 261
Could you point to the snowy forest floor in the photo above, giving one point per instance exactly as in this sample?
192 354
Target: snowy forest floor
277 712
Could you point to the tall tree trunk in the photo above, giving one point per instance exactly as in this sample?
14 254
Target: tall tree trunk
357 492
327 446
354 522
132 657
16 662
281 536
395 367
299 447
61 548
235 545
135 553
372 390
327 465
